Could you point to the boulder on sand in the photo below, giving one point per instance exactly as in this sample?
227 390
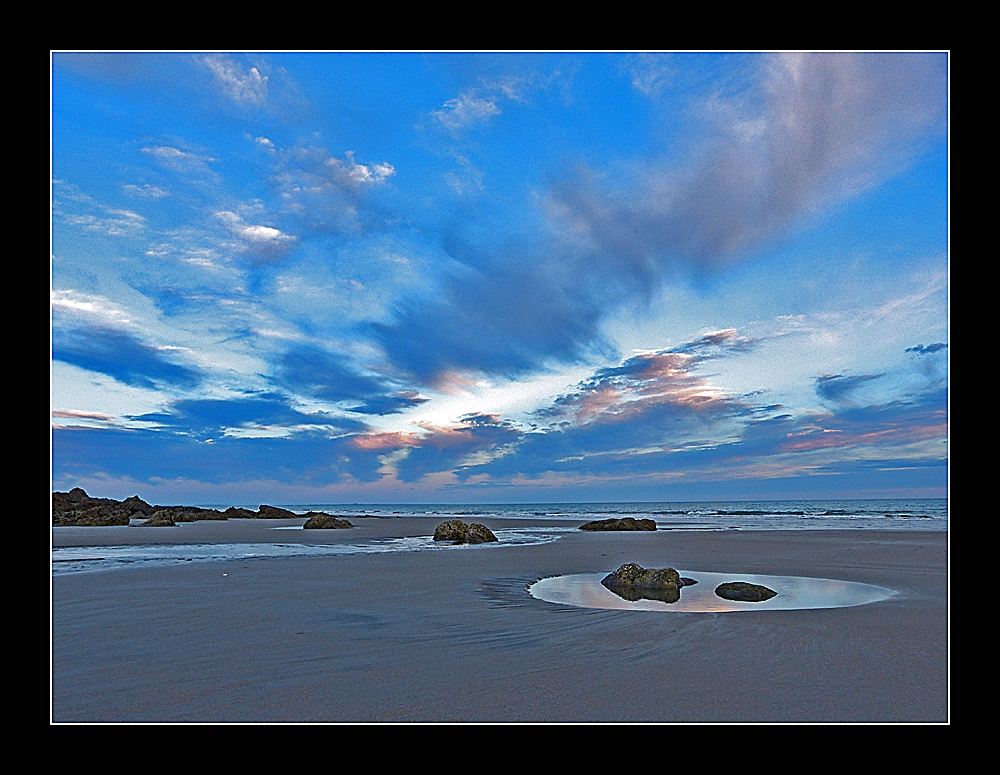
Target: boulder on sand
624 523
457 531
744 591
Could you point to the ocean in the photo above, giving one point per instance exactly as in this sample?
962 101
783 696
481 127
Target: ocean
886 514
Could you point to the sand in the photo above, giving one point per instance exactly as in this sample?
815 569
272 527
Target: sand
454 636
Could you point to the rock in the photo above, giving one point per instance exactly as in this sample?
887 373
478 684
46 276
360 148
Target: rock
77 509
195 514
744 591
162 518
625 523
137 504
320 521
633 582
237 513
273 512
459 532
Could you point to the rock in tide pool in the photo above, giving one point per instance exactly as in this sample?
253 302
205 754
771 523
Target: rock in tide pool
457 531
625 523
633 582
744 591
321 521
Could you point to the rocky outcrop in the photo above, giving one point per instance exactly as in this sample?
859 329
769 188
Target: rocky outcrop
633 582
744 591
623 523
320 521
76 508
457 531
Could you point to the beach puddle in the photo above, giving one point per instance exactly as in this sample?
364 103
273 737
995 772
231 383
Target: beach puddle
585 590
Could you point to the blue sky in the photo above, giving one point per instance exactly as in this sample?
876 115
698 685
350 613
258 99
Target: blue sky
461 277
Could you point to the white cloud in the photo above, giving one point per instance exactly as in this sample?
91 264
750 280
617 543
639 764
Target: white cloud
99 308
146 191
242 86
254 235
466 110
180 161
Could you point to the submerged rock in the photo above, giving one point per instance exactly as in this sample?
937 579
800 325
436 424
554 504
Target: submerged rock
320 521
744 591
459 532
633 582
624 523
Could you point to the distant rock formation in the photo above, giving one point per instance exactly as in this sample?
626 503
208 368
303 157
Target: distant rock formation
744 591
457 531
320 521
76 508
633 582
624 523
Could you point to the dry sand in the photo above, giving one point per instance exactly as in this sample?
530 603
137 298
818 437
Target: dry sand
454 635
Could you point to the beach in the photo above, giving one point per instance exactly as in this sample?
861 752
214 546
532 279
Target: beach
453 635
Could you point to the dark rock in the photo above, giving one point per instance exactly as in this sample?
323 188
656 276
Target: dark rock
137 504
236 513
94 516
625 523
162 518
320 521
195 514
744 591
633 582
77 509
274 512
459 532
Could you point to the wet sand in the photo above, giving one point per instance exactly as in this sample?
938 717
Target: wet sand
454 636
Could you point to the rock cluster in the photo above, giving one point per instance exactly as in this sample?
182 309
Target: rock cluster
457 531
633 582
744 591
623 523
76 508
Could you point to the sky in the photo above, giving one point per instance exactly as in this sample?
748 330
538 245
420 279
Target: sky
461 277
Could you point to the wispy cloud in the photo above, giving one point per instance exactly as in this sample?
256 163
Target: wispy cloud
243 85
180 160
465 111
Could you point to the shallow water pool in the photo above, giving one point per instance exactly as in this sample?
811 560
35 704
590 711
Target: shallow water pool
585 590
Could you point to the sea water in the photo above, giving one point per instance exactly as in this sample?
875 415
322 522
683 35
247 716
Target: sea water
886 514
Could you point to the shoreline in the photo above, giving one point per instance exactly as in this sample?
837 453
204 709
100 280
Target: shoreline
454 636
